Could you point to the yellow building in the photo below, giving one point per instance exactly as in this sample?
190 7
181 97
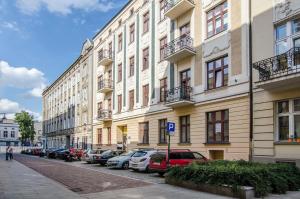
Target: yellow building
276 77
185 62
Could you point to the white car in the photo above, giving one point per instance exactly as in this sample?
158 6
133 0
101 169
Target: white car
90 156
140 160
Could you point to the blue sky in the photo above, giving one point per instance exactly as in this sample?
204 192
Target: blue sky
39 39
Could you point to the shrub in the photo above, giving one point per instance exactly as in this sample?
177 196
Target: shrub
265 178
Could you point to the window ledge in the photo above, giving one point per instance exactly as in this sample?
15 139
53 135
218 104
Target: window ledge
216 89
217 143
162 144
286 143
185 144
143 144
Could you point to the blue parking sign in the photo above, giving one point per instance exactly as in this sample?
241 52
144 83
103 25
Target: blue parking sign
171 128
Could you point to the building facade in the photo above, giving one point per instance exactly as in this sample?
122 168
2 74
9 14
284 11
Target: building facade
276 80
67 104
38 137
9 132
181 61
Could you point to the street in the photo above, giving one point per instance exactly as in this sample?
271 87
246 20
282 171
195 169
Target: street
33 177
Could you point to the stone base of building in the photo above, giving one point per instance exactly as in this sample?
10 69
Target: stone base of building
266 159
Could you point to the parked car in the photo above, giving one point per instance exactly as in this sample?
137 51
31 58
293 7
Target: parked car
121 161
53 153
140 160
90 155
73 154
102 159
60 154
158 160
49 150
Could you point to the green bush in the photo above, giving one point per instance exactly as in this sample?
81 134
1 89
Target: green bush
265 178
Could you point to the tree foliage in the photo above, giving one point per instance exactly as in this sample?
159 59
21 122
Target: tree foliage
26 125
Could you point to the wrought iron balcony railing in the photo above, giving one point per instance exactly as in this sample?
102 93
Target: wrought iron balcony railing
104 114
181 93
278 66
172 3
105 54
182 42
105 84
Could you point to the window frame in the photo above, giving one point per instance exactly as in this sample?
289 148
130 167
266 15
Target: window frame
163 89
131 66
162 7
120 71
145 58
120 42
131 33
214 122
146 22
144 129
99 136
145 95
187 127
162 129
109 135
216 70
131 99
119 103
214 17
163 42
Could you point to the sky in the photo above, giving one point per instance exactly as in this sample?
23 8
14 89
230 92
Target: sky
39 39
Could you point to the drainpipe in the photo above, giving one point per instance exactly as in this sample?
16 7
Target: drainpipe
250 80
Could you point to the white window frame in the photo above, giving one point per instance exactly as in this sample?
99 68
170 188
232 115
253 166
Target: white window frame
290 114
290 36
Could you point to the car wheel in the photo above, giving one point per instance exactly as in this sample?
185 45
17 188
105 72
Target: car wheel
125 165
161 174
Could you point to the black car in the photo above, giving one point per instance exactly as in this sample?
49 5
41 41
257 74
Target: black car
53 153
60 154
102 159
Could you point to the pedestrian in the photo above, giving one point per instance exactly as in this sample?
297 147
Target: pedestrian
6 153
11 150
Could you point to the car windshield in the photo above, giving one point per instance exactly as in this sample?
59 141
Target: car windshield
139 154
129 153
106 152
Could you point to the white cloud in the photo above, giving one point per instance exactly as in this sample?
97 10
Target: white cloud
64 7
10 26
12 107
22 77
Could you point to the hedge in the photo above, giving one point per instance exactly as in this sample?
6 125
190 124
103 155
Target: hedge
265 178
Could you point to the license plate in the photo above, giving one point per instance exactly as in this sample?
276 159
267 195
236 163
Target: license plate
156 163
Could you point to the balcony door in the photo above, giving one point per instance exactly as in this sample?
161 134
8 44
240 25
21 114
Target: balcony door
185 83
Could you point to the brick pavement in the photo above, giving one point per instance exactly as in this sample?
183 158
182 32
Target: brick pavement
77 179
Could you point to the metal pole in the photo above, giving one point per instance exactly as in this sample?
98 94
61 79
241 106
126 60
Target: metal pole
169 143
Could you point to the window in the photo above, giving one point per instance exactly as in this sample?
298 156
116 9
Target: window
185 30
163 89
145 95
288 119
119 103
120 40
12 134
184 129
109 135
146 22
162 131
162 5
119 72
131 33
99 134
218 127
131 66
5 134
144 133
110 49
131 11
131 99
99 108
100 55
217 19
163 42
109 104
217 73
146 58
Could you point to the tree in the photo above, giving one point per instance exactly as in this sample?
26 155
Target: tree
26 126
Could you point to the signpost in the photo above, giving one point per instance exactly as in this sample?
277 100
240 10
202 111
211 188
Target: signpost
171 131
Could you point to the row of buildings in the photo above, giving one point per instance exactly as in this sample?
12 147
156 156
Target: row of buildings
225 71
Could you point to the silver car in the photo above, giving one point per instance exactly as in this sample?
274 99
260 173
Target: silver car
140 160
120 162
90 156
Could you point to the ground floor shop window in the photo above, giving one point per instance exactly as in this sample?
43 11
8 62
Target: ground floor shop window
184 129
162 131
218 127
288 120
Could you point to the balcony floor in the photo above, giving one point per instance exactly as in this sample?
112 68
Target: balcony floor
179 55
179 103
179 9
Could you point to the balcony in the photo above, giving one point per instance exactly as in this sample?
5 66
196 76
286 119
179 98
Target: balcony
175 8
105 57
179 49
279 72
104 115
179 96
105 86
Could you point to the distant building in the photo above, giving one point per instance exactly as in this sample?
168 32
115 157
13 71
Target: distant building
9 132
38 137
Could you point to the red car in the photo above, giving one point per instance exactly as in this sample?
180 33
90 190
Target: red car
158 161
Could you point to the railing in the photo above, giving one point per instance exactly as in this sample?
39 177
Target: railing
279 66
171 3
105 54
106 83
180 93
104 114
184 41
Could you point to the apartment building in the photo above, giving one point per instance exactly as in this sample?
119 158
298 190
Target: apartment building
9 132
183 61
276 80
67 104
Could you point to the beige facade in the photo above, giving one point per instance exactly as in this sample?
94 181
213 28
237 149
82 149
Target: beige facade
205 61
67 104
276 91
